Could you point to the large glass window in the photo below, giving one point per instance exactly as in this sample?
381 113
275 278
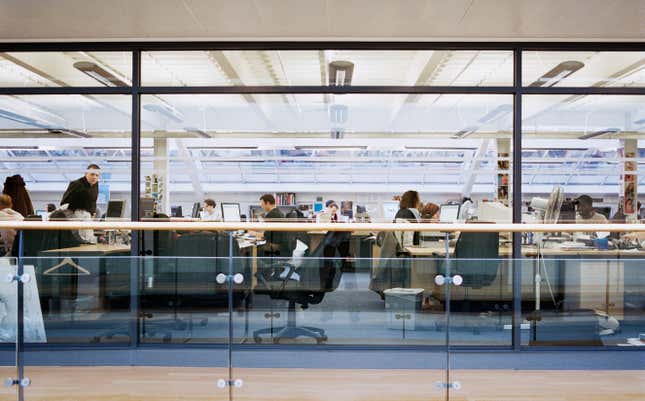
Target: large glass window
327 67
60 69
237 147
599 69
580 163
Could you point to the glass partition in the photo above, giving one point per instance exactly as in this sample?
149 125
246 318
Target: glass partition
583 298
585 69
327 67
313 301
63 69
80 299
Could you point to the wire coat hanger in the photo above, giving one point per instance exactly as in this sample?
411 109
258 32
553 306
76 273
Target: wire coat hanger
66 262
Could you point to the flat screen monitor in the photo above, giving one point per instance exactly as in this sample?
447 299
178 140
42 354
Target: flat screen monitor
448 213
197 207
230 211
604 210
175 211
146 208
347 209
115 209
389 210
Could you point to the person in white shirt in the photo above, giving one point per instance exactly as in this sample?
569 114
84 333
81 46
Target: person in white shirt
7 213
210 211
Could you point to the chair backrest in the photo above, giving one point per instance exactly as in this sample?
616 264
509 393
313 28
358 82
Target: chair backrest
477 258
391 270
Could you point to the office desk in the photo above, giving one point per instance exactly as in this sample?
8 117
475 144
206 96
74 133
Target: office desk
438 249
89 250
598 283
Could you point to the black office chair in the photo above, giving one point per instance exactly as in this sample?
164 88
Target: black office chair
317 276
159 292
476 260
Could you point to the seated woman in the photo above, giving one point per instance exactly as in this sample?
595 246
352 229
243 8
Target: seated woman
409 212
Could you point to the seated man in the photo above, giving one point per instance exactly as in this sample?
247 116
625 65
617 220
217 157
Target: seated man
210 211
274 239
586 214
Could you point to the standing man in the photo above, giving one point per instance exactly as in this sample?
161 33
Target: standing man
87 186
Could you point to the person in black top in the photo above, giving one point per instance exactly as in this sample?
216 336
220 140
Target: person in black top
88 186
274 239
408 210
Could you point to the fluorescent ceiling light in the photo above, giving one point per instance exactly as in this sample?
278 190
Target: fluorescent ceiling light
558 73
221 147
496 113
22 119
600 133
465 132
71 132
436 148
99 74
341 73
348 147
337 133
493 115
197 131
338 114
165 110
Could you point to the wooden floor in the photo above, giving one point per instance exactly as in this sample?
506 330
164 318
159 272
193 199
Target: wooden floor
197 384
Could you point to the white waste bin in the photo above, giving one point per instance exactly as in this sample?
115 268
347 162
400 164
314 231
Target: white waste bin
401 306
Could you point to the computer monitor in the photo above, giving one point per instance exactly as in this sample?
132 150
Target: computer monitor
115 209
449 213
175 211
604 210
390 209
197 207
146 208
230 211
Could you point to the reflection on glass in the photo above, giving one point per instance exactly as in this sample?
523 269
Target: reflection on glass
593 301
77 299
51 140
327 67
561 68
60 69
211 146
587 145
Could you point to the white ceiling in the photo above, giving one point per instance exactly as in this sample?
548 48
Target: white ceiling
476 20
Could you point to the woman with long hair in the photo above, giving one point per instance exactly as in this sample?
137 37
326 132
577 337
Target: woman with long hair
15 187
408 211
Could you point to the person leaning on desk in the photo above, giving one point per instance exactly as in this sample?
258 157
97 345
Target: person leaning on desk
88 187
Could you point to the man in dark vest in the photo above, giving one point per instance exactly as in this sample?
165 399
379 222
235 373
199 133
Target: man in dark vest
88 186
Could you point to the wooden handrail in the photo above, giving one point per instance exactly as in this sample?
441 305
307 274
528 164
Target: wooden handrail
294 226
